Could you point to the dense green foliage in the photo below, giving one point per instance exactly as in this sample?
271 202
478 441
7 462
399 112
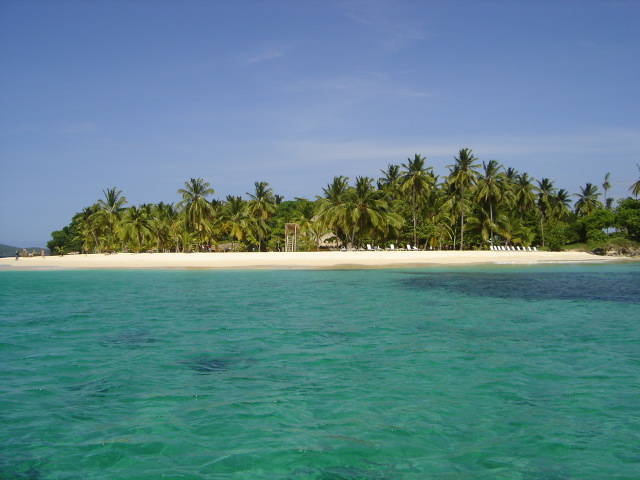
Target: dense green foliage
474 206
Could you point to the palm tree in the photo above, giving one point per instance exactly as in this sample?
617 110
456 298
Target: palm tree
161 223
89 230
262 202
261 206
305 216
334 194
108 216
635 187
588 200
416 182
490 189
365 213
524 198
436 220
482 224
606 185
462 178
546 191
235 219
560 204
391 181
197 211
135 227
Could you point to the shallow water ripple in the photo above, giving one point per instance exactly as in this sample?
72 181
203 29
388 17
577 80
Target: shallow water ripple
361 374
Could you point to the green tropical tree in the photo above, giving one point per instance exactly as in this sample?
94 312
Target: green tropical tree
416 182
197 211
328 207
235 219
546 191
606 185
588 200
391 182
490 190
523 194
561 205
635 187
462 178
262 203
261 206
107 218
135 226
366 213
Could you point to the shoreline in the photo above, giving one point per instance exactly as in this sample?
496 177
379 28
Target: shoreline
297 260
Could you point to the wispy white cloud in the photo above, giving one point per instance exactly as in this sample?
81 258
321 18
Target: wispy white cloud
569 159
363 86
610 141
395 34
265 53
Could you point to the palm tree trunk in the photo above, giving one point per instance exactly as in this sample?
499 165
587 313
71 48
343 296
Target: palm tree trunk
415 219
491 226
462 230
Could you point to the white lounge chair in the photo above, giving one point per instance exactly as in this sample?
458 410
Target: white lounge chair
369 249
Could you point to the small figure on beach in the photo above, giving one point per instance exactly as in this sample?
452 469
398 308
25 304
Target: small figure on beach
42 252
17 255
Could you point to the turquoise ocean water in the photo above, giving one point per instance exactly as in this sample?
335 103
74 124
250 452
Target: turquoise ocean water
496 372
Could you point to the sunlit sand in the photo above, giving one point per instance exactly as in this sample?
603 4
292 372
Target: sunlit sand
300 260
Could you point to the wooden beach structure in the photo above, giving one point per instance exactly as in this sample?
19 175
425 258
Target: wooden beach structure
291 237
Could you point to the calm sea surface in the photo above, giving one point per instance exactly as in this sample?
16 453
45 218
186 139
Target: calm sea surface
462 373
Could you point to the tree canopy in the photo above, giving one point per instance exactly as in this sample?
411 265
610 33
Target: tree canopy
478 204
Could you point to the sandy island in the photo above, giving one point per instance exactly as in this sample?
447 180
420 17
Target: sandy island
297 260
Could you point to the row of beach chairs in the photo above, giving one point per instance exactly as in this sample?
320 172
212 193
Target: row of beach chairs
508 248
409 248
391 248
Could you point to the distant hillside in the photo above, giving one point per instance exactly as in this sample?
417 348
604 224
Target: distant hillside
9 251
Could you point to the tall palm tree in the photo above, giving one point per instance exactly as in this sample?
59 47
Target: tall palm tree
262 203
416 182
197 211
261 207
462 178
334 195
490 189
546 190
364 212
436 219
235 218
606 185
635 187
135 227
89 228
107 218
560 204
588 200
391 181
524 197
162 219
304 215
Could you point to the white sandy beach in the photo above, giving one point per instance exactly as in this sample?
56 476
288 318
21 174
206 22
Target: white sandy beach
299 260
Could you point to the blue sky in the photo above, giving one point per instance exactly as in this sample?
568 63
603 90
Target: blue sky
143 95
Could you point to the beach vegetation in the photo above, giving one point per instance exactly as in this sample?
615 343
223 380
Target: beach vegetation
477 205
